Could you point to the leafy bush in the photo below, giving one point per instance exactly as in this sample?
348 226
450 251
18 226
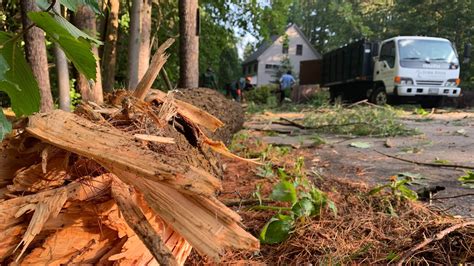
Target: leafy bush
319 99
360 121
261 95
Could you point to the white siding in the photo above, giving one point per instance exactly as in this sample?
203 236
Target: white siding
273 56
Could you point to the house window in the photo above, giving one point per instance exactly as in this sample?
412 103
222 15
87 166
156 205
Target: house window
271 67
299 49
285 49
255 67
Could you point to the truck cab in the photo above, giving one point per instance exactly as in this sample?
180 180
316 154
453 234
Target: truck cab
425 67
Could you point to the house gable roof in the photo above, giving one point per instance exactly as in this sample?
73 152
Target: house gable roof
255 55
265 45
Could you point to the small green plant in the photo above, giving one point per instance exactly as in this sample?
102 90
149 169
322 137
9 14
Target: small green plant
467 180
74 96
301 199
421 111
398 191
265 171
440 161
397 188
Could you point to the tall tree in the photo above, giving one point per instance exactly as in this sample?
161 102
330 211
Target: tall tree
109 58
90 91
62 72
145 33
35 50
134 44
189 44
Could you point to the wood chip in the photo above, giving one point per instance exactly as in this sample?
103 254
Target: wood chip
153 138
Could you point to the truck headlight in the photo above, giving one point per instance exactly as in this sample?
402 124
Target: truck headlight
403 81
452 82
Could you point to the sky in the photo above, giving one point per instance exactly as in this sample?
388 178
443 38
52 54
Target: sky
247 37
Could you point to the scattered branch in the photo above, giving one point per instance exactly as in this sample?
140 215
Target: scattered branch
300 126
436 237
453 197
243 202
427 164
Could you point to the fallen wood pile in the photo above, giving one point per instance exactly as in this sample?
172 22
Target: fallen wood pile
133 182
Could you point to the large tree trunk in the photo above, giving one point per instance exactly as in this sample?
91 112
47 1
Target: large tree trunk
62 72
134 44
85 20
35 49
145 33
109 58
189 44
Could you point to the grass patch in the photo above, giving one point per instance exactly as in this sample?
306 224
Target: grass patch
359 121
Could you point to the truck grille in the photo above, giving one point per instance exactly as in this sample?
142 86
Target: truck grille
429 82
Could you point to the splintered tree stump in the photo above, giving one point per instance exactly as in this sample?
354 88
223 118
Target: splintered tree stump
229 112
130 182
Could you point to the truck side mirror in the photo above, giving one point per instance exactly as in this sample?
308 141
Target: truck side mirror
467 53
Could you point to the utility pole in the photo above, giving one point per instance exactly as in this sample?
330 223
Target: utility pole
189 43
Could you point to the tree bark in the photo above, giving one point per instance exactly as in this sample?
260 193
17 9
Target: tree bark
134 44
90 91
62 71
189 44
35 50
109 59
145 33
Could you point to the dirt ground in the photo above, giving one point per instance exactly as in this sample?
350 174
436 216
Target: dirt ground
446 136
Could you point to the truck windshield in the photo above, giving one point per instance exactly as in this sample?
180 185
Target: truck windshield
413 52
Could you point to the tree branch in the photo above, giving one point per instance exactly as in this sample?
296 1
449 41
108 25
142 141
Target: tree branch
427 164
436 237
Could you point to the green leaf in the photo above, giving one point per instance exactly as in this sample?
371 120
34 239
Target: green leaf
318 197
5 125
361 145
304 208
391 256
276 230
43 4
414 179
377 189
16 78
75 43
282 174
467 180
284 191
408 193
74 4
332 207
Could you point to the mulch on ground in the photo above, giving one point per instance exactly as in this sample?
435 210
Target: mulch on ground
363 231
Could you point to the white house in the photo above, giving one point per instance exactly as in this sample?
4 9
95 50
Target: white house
263 64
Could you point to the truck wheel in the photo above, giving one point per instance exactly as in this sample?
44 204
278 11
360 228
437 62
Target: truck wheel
379 96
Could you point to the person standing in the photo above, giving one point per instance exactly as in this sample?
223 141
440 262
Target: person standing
286 83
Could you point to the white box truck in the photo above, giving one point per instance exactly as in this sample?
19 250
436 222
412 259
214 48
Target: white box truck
423 69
